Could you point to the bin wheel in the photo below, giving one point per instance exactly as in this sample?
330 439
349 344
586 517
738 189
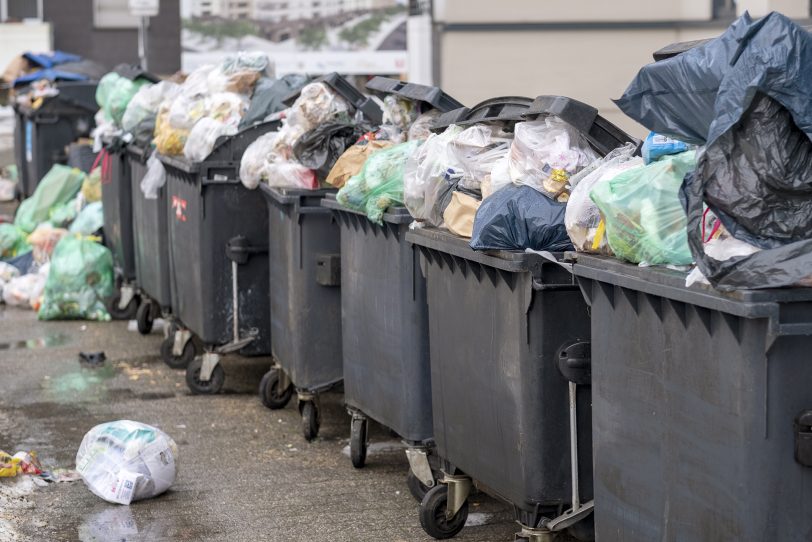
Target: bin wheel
127 313
272 397
197 386
432 514
173 361
144 319
359 429
417 488
310 420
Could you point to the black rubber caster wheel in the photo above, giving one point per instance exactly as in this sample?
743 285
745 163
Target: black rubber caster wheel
417 488
432 514
272 397
197 386
117 313
310 420
144 319
359 429
173 361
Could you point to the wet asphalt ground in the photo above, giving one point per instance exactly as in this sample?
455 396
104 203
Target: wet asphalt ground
246 473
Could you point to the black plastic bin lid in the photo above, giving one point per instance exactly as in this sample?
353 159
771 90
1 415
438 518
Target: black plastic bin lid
601 134
433 96
680 47
505 109
346 90
133 72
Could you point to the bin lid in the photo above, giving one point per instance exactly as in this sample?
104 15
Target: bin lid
393 215
346 90
681 46
601 134
133 72
505 109
292 196
433 96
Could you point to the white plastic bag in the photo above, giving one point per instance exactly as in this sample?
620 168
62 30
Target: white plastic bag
582 218
146 102
255 160
421 128
286 174
546 153
203 136
474 153
126 461
8 272
154 179
316 104
21 291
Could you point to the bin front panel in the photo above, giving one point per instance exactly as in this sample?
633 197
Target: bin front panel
45 146
201 220
501 408
19 150
118 214
150 237
305 315
385 318
693 421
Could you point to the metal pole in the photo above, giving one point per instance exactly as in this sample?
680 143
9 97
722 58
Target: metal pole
576 498
142 42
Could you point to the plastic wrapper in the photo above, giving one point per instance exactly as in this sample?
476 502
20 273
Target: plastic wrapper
8 272
21 291
255 160
154 179
583 219
145 104
114 93
125 461
43 240
657 145
351 162
518 218
203 137
58 186
89 220
269 95
80 280
13 241
546 153
644 220
421 127
320 148
286 174
379 184
424 173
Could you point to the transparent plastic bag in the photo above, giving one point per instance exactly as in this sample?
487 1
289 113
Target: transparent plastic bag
582 218
43 240
228 108
203 137
154 179
421 127
89 220
254 162
254 61
114 92
8 272
146 103
13 241
398 112
546 153
168 141
186 110
126 461
645 221
287 174
58 186
317 104
351 162
20 291
474 153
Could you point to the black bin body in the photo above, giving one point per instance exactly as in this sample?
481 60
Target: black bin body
117 207
42 134
150 233
305 301
497 323
696 395
208 207
385 322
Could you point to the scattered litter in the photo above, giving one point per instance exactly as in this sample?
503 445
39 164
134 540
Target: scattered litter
27 463
94 359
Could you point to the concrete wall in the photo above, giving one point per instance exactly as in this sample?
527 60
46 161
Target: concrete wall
74 31
17 38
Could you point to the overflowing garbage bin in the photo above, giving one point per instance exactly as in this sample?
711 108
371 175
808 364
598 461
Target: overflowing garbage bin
701 407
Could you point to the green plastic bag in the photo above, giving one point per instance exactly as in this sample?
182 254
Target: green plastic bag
12 241
62 215
79 281
57 187
114 93
379 184
90 219
645 221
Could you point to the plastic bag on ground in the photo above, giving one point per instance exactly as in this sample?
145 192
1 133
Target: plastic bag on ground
320 148
268 96
79 282
20 291
546 153
126 461
43 240
351 162
518 218
255 160
89 220
286 174
379 184
154 179
13 241
582 218
8 272
644 219
424 172
203 137
58 186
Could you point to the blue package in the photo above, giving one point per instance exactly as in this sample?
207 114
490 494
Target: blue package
657 145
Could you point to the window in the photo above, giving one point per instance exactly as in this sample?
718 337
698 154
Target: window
113 14
724 9
17 10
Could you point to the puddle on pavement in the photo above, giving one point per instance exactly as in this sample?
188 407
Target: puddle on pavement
120 524
49 341
87 383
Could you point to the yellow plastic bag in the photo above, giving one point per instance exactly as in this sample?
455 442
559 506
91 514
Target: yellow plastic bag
91 186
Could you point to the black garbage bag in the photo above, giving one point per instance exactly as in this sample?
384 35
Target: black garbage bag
319 148
520 217
757 179
698 95
269 95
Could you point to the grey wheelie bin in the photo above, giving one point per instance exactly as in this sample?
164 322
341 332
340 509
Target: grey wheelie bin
510 362
305 299
385 317
151 247
702 409
218 261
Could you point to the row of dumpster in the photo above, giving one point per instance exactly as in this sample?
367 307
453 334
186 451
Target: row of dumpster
600 399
